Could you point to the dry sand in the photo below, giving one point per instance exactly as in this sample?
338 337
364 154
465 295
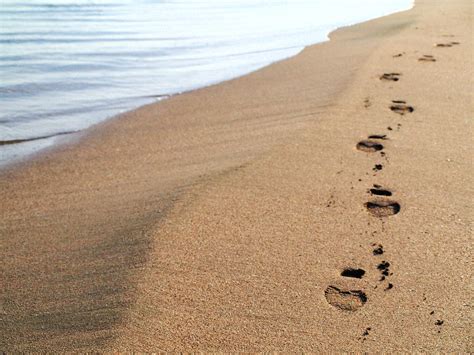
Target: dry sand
222 219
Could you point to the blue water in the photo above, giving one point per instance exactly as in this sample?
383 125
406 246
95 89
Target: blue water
67 64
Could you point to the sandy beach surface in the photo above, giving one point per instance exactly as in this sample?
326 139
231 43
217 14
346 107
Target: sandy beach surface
258 215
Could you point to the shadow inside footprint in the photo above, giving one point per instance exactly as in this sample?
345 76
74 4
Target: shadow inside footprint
383 208
447 45
443 45
354 273
427 58
369 146
377 167
345 300
391 76
400 107
380 192
378 250
378 136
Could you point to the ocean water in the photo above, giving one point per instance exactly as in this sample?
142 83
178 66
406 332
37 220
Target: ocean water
67 64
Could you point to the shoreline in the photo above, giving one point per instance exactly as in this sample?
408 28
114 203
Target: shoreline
24 156
225 219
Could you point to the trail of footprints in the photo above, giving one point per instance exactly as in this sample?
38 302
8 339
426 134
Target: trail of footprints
380 205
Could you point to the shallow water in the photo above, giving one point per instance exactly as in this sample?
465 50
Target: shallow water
67 64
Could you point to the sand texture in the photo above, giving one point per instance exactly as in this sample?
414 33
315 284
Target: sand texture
321 204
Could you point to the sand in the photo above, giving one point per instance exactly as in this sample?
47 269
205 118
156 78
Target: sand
243 216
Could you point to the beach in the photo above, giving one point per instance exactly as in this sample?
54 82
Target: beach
323 203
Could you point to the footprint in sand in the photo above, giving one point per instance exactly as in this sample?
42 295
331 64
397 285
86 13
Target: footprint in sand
384 268
345 299
353 273
383 208
365 334
427 58
377 190
377 167
443 45
378 136
367 103
439 323
446 45
401 107
369 146
390 77
378 249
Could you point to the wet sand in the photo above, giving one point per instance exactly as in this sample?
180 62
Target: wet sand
258 215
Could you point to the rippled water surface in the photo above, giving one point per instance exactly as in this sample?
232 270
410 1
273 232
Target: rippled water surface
67 64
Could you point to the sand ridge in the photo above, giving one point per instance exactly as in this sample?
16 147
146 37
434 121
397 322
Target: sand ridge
325 210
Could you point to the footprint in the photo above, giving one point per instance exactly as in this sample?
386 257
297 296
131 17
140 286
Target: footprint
369 146
427 58
345 300
443 45
401 107
391 76
378 249
377 167
379 191
439 323
380 209
446 45
378 136
366 332
384 268
354 273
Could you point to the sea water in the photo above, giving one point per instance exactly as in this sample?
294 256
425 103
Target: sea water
67 64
